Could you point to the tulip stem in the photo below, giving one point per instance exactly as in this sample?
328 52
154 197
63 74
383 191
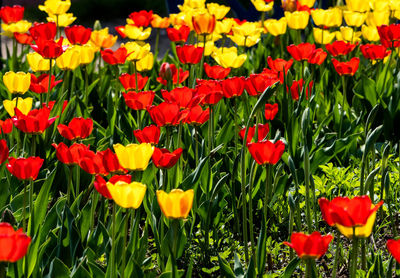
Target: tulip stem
267 187
157 42
77 176
202 57
337 253
253 249
24 208
136 77
49 86
386 70
175 230
124 247
342 108
363 255
307 185
14 55
86 87
113 242
31 209
353 269
3 273
308 268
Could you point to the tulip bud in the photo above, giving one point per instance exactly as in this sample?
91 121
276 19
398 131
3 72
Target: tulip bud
165 71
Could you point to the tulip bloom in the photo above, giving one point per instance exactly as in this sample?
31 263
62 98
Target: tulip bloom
263 6
196 116
127 195
40 84
37 62
14 244
141 18
203 23
276 27
348 34
229 58
92 163
390 35
17 83
297 20
189 54
270 111
134 157
322 36
49 49
43 31
140 100
137 51
297 87
159 22
262 129
146 63
101 185
374 52
216 72
346 68
86 53
70 155
128 81
35 122
69 60
317 57
233 87
302 51
102 39
166 114
256 84
117 57
178 35
394 248
6 126
210 91
55 7
279 65
12 14
21 26
110 162
354 19
370 33
24 105
77 129
150 134
183 75
176 204
183 96
164 159
78 34
347 214
340 48
311 246
3 151
25 168
23 38
63 19
266 152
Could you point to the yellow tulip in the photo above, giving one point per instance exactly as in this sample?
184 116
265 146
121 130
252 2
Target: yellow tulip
348 34
219 11
262 6
247 29
354 18
213 37
102 39
134 156
394 4
276 27
208 50
146 63
127 195
378 18
69 60
224 26
360 232
381 5
63 20
396 14
327 18
37 62
244 41
137 33
308 3
17 83
137 50
24 105
322 36
176 204
86 53
370 33
193 4
55 7
358 5
181 19
297 20
159 22
228 57
21 26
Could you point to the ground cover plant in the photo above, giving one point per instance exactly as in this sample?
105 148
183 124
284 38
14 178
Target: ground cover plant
250 149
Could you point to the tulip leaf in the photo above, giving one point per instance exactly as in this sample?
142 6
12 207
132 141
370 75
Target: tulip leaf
371 138
251 270
291 267
226 270
261 248
58 269
238 267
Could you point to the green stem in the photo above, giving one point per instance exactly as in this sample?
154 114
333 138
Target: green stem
201 65
343 103
253 246
24 209
113 242
136 77
85 69
3 273
31 208
14 55
157 42
353 272
267 188
78 177
124 247
307 185
387 69
175 231
308 268
363 255
337 253
49 86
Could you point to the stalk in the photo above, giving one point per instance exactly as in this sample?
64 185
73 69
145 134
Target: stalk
113 243
78 177
202 57
253 249
308 268
353 270
307 184
3 273
124 245
387 69
343 102
337 253
267 188
31 209
49 87
24 209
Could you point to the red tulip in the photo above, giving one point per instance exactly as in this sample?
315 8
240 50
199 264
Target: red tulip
43 31
128 81
196 116
164 159
3 151
317 57
24 168
301 51
297 87
374 52
166 114
149 134
141 18
51 105
185 97
256 84
348 212
269 73
189 54
70 155
216 72
12 14
346 68
23 38
394 248
36 122
270 111
79 128
6 126
179 35
92 163
101 185
390 35
263 130
279 65
14 244
140 100
40 84
121 31
340 48
311 246
117 57
49 49
210 91
233 87
77 34
183 75
111 162
266 152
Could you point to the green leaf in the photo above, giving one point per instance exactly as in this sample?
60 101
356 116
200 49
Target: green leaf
226 270
58 269
42 201
261 248
291 268
237 267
